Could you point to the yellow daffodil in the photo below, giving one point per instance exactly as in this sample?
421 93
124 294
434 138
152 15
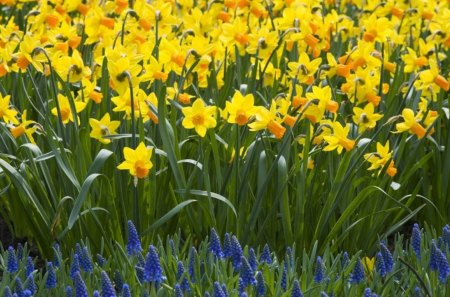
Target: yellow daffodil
123 103
119 70
66 112
102 128
365 117
199 117
268 119
338 139
411 124
137 161
26 127
241 108
431 77
380 158
412 61
7 113
304 69
72 68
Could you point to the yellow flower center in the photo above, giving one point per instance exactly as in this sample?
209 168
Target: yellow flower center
141 170
198 119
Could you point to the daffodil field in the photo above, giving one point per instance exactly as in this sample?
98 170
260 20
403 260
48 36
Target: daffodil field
319 124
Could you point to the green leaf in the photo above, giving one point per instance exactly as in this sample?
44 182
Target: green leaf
209 194
169 215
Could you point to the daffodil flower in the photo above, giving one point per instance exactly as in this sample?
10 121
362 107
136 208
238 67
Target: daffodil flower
137 161
199 117
102 128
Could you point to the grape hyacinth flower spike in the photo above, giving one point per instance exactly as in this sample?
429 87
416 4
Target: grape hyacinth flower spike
416 239
152 269
260 284
237 253
80 286
107 287
246 273
387 257
319 274
214 245
357 276
134 244
265 255
51 276
296 291
12 264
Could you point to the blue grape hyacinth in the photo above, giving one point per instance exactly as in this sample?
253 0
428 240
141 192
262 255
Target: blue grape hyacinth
443 268
433 264
246 273
12 264
69 291
126 291
191 267
387 257
260 284
296 291
446 236
380 267
214 245
51 276
29 267
284 278
75 267
152 269
236 251
319 274
107 287
178 291
227 249
86 261
416 239
133 244
265 255
252 259
357 276
184 283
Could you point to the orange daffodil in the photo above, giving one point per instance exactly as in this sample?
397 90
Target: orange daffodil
137 161
199 117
